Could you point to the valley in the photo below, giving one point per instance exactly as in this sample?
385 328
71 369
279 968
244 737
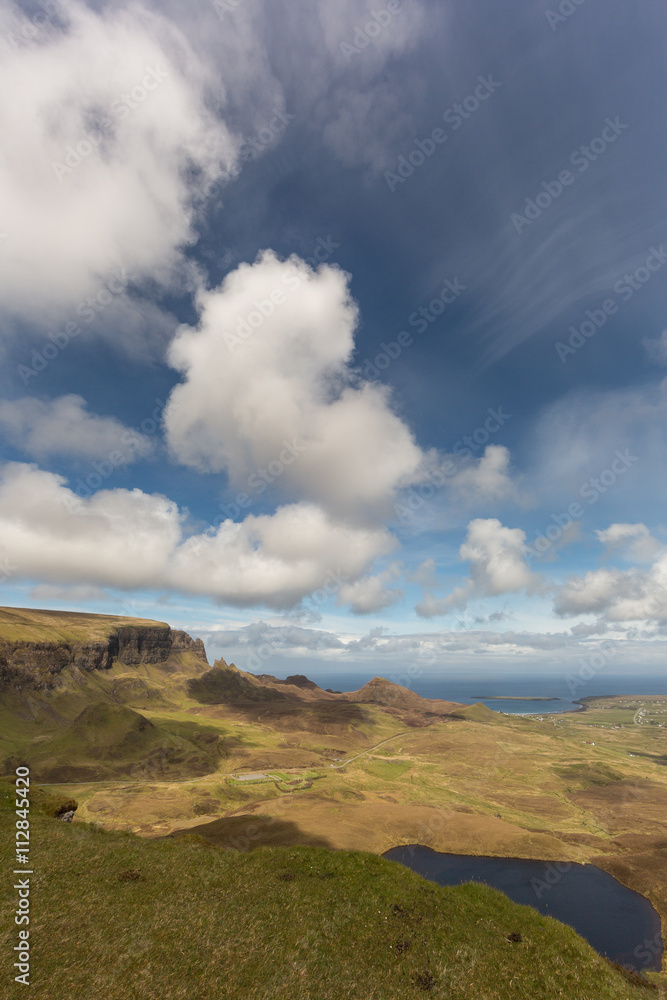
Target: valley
168 748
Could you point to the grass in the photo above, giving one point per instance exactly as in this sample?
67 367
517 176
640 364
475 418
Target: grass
29 625
389 770
114 741
120 918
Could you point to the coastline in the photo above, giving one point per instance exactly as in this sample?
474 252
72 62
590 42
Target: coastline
509 697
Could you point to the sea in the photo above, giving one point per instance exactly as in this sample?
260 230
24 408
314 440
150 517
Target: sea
520 694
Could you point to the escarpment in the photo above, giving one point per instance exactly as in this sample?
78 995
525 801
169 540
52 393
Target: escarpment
36 646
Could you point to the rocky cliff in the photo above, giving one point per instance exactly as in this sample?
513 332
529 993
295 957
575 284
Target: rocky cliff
89 642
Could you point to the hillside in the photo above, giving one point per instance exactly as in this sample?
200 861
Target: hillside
399 699
122 918
36 646
164 744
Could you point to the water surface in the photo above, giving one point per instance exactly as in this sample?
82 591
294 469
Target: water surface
617 922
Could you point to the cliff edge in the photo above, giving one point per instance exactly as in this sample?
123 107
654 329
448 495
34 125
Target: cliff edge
36 646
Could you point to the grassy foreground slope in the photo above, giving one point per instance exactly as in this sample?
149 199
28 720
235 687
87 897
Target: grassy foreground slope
123 918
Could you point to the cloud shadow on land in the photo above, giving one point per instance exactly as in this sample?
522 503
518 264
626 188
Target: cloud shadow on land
243 833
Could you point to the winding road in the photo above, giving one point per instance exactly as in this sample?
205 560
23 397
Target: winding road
381 743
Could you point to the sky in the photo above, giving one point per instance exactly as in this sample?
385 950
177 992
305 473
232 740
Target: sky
336 333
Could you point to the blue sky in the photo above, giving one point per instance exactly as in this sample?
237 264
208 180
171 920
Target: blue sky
339 330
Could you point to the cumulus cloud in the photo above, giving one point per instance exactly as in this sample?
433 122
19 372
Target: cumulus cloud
487 479
267 383
371 593
621 595
63 426
268 395
113 132
633 541
130 539
497 557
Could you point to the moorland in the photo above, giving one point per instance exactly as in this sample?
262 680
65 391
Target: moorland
170 761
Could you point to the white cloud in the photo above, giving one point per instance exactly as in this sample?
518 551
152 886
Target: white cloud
497 557
293 638
130 539
621 595
634 541
582 630
489 653
63 426
656 348
487 479
110 132
375 32
371 592
268 368
365 121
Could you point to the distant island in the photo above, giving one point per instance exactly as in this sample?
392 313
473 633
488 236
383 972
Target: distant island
511 697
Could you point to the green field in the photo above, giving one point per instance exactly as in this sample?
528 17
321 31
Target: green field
121 918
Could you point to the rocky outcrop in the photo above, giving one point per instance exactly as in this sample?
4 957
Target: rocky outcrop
25 664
